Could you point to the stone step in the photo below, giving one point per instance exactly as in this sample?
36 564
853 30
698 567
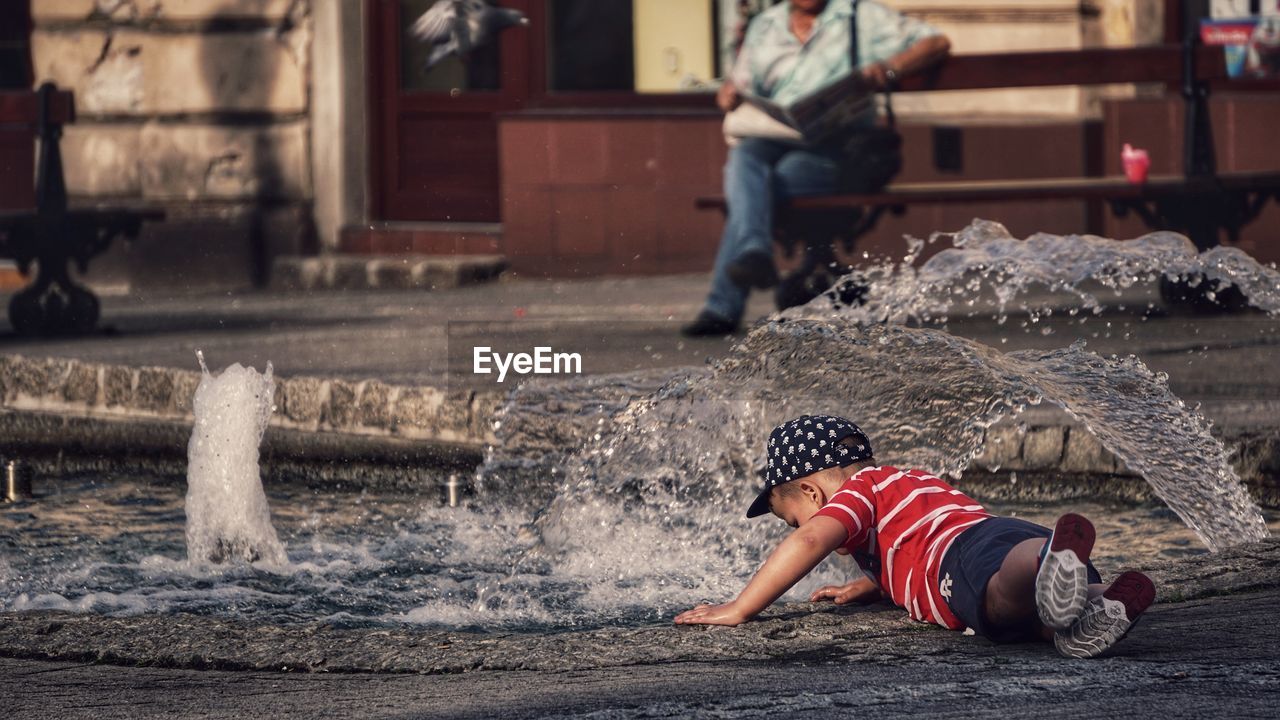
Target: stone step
384 272
424 238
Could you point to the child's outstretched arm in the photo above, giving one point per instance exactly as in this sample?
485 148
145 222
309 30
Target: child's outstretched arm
790 561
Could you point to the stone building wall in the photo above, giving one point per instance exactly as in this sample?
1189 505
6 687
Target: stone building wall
201 107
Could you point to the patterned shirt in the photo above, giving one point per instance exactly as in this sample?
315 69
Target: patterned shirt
900 524
774 64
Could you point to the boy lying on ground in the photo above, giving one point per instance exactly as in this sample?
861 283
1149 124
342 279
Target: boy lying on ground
929 548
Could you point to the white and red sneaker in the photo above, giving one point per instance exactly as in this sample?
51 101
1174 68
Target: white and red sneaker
1107 618
1062 583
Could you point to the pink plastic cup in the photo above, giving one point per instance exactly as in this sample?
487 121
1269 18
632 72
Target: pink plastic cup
1136 164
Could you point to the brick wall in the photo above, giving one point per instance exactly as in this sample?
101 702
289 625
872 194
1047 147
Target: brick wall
601 192
609 194
591 193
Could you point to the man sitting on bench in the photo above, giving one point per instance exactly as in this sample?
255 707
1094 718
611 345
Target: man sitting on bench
789 51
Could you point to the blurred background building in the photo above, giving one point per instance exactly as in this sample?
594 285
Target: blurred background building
277 129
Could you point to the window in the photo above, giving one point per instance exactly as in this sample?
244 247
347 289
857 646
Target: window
586 51
642 46
15 60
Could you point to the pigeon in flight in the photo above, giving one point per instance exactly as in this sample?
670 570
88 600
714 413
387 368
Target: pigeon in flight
455 27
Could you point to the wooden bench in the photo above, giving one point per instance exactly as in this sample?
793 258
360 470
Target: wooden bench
53 234
1200 204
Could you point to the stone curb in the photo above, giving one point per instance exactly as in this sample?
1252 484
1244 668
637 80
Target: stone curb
386 272
1069 448
369 412
1047 447
366 409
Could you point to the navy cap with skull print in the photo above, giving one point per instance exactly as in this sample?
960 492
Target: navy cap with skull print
806 445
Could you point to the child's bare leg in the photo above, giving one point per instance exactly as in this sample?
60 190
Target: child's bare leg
1011 592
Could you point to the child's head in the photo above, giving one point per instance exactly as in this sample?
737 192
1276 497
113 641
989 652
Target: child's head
806 453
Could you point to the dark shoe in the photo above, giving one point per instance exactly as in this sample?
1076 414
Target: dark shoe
800 289
753 270
849 292
708 325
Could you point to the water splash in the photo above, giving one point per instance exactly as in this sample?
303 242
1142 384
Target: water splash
543 425
682 463
662 494
621 499
986 256
227 514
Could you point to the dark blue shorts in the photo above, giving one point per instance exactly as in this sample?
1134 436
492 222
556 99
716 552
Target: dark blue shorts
973 558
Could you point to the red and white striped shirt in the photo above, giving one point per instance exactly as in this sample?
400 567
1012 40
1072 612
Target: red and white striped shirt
900 524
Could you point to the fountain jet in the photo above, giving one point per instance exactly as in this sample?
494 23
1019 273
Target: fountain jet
228 518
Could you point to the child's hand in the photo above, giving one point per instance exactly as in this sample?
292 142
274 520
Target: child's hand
860 590
790 561
725 614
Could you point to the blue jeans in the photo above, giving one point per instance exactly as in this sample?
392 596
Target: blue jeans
760 173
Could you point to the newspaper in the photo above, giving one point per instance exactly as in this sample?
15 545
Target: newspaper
825 111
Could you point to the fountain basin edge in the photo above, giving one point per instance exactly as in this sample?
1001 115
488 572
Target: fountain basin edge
790 631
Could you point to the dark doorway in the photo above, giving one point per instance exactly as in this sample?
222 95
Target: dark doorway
435 135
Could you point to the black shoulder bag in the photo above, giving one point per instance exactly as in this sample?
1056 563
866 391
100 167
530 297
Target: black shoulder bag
872 156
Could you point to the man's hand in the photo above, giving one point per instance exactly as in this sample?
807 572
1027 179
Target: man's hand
724 614
861 590
923 54
877 75
727 96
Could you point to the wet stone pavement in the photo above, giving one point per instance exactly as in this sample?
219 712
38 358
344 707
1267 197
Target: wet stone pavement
1210 647
1185 673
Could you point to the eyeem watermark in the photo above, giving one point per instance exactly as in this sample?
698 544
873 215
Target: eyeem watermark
498 355
543 361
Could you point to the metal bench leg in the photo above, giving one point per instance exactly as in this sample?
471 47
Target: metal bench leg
54 304
55 236
815 232
816 274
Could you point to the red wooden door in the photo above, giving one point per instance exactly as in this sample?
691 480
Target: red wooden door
434 132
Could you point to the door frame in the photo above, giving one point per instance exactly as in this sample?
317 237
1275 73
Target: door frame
388 105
